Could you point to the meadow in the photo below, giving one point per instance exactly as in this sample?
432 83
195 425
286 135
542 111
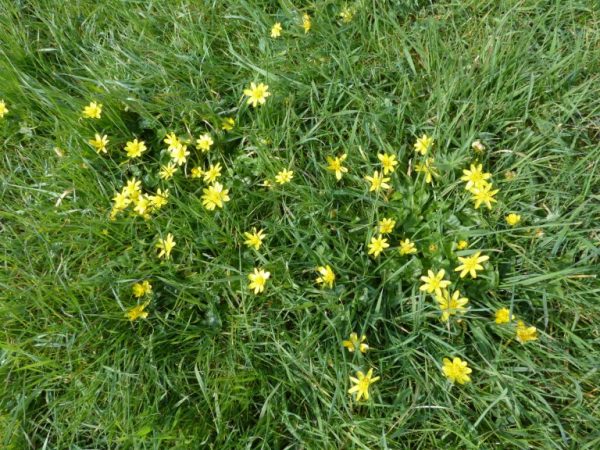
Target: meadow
300 225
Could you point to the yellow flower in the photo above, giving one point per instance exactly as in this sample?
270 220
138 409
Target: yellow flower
503 316
142 205
428 169
179 154
141 289
475 177
386 225
121 201
135 148
432 248
423 144
257 94
3 109
228 123
377 245
137 311
133 189
215 196
172 141
197 172
407 247
258 280
276 30
99 143
213 172
160 199
167 172
362 383
205 142
525 333
165 246
513 219
456 370
347 15
378 181
306 23
388 162
451 304
434 282
478 146
92 111
254 239
353 343
484 194
284 176
335 165
471 264
462 244
327 277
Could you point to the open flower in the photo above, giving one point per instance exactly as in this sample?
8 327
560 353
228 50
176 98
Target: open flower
167 172
284 176
434 282
388 162
407 247
327 277
93 111
135 148
451 304
386 225
503 316
457 370
213 172
179 154
255 238
423 144
141 289
276 30
137 312
377 245
525 333
513 219
215 196
362 383
471 264
204 142
475 177
353 343
165 246
335 165
99 143
257 94
484 194
378 182
258 280
428 168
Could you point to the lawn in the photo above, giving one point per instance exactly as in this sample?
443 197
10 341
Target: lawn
200 206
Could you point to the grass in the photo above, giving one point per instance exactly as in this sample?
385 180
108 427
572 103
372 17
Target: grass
215 366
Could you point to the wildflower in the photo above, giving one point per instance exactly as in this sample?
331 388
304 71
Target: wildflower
451 304
141 289
432 248
471 264
377 245
92 111
407 247
378 181
3 109
485 194
353 343
137 311
284 176
525 333
160 199
503 316
133 189
388 162
179 154
172 141
142 205
423 144
255 238
306 23
428 169
276 30
327 277
213 172
197 172
257 94
362 383
513 219
121 201
99 143
457 370
478 146
434 282
167 172
135 148
335 165
215 196
165 246
386 225
475 177
346 15
205 142
510 175
258 280
227 124
462 244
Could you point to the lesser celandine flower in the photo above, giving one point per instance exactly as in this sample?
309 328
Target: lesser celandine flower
227 124
165 246
276 30
257 94
377 245
142 205
327 277
423 144
172 141
484 195
141 289
475 177
362 383
197 172
215 196
434 282
3 109
407 247
353 343
99 143
284 176
478 146
160 199
428 168
137 312
306 23
388 162
133 188
346 14
255 238
503 316
258 280
179 154
513 219
525 333
335 165
378 182
471 264
213 173
135 148
462 244
451 304
386 225
457 370
167 172
93 111
205 142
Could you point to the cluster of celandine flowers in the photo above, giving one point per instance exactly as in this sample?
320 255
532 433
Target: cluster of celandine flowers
142 204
